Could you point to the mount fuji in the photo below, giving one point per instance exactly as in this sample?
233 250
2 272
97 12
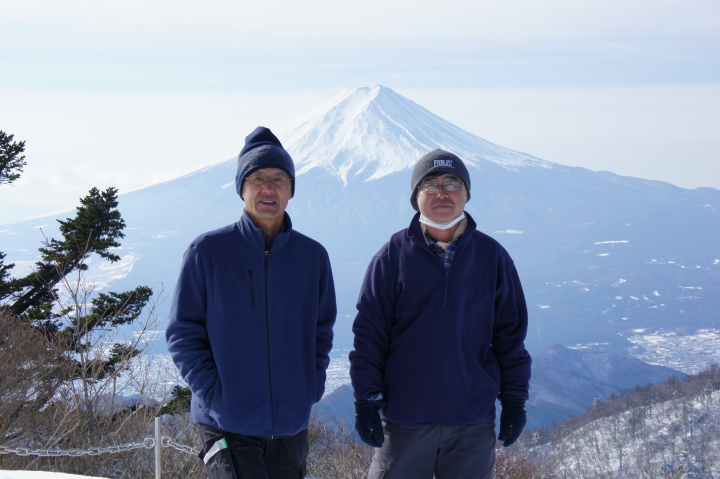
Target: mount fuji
619 263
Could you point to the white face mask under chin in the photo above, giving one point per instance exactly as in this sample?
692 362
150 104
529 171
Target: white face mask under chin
432 224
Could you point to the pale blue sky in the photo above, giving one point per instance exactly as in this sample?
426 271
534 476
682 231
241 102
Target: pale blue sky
131 93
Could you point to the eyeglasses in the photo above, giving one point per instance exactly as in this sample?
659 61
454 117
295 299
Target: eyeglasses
278 182
431 188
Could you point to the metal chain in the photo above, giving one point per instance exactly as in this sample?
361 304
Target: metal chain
166 441
148 443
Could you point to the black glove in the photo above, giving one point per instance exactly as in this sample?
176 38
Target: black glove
367 422
512 420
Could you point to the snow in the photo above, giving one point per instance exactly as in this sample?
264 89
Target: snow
40 475
386 144
687 353
338 371
678 435
106 272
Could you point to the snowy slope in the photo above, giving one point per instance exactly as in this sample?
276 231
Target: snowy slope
369 133
40 475
679 438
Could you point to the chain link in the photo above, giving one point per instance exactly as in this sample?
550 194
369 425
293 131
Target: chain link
148 443
166 441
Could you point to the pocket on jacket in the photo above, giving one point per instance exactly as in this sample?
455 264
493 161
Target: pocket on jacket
236 292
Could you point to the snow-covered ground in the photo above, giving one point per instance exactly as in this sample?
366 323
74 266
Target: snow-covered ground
687 353
40 475
678 437
338 372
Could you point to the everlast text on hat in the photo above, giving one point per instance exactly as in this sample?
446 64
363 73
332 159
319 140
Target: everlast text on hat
443 164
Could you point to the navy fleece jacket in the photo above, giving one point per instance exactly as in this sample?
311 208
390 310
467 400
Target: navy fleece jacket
251 331
440 345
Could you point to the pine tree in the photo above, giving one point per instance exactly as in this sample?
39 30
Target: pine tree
179 402
60 392
96 229
12 160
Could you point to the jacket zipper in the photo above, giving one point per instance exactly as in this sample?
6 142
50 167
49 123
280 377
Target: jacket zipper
447 281
252 290
269 351
446 271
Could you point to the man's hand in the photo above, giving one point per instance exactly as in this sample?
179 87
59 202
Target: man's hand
368 423
512 421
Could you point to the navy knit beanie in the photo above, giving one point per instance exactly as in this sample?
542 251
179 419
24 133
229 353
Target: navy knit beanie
263 150
434 163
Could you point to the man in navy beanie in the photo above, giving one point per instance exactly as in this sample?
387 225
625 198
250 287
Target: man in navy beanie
439 336
251 326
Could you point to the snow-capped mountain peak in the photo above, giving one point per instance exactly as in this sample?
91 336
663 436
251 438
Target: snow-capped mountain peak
367 133
603 259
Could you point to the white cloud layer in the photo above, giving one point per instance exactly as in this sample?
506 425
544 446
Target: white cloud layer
129 94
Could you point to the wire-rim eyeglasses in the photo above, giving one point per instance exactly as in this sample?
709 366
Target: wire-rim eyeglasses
431 188
277 182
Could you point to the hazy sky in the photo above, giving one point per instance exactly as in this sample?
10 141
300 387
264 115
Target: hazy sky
131 93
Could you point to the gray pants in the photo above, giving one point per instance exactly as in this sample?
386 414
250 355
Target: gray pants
442 452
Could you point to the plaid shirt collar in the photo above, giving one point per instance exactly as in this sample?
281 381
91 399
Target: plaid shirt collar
446 251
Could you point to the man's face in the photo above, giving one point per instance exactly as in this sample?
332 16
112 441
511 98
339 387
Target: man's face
266 203
441 206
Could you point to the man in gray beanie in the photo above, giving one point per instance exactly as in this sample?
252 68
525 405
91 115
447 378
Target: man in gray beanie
251 326
439 336
437 161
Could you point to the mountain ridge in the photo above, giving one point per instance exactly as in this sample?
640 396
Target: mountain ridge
603 258
565 383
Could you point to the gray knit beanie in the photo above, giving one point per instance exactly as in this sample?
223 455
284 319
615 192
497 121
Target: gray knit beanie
434 163
263 150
